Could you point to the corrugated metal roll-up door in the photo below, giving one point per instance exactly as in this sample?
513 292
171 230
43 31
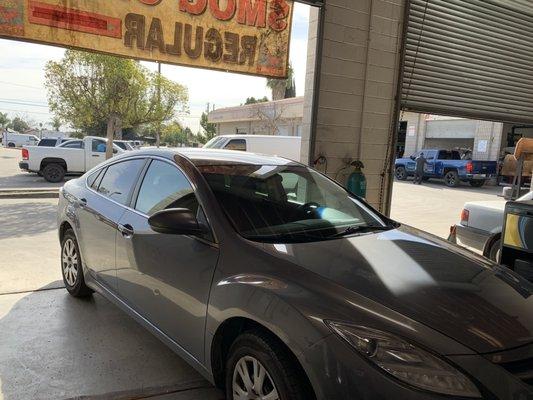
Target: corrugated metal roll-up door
470 58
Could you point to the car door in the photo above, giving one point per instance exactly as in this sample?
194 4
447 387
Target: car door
166 278
410 165
429 169
95 153
110 189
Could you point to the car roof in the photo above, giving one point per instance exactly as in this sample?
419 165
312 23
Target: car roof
200 156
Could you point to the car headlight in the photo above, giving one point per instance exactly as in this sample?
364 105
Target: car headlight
406 362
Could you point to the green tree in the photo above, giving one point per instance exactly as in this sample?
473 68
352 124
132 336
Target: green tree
253 100
95 92
20 125
173 134
209 129
4 121
56 123
283 88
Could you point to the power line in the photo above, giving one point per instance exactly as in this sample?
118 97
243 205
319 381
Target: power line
25 111
21 85
22 103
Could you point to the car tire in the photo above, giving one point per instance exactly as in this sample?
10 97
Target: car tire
12 145
53 173
257 349
400 173
71 266
451 179
477 183
494 250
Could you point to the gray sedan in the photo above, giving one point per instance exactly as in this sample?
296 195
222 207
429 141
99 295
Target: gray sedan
276 283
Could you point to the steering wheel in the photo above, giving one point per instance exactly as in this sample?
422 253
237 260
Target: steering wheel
308 208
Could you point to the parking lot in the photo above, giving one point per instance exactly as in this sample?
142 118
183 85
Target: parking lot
55 346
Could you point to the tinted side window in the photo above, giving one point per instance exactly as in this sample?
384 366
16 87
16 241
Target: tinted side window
164 186
47 142
236 144
92 180
98 146
73 145
119 180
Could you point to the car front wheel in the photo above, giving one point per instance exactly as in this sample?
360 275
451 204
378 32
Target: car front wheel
258 367
71 267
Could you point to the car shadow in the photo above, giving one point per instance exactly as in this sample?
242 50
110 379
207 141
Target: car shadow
26 218
56 346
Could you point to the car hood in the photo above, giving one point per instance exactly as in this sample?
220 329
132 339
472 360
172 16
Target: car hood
459 294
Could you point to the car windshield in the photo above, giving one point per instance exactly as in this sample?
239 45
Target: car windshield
214 143
288 203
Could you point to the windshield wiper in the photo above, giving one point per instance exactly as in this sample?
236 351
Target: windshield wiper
361 229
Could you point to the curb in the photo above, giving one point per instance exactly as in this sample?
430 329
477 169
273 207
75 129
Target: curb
29 193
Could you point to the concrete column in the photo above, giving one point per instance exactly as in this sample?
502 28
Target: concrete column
357 88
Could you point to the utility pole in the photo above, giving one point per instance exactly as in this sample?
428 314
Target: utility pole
158 133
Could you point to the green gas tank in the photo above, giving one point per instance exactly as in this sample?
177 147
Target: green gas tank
356 182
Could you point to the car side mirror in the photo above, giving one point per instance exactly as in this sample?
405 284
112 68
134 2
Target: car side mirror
412 157
115 151
176 221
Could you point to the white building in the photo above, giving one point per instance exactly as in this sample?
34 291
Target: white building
281 117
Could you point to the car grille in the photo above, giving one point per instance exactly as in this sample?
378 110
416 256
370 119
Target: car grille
522 369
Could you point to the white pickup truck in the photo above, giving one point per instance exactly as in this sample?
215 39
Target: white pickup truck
74 157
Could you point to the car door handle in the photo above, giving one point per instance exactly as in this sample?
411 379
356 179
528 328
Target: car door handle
126 230
82 202
96 155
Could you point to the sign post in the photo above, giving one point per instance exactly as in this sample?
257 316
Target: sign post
246 36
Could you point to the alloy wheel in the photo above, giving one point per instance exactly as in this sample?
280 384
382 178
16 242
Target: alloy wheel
70 261
251 381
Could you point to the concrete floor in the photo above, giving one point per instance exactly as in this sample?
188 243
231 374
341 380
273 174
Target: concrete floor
433 207
53 346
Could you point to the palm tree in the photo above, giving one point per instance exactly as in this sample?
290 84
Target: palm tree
283 88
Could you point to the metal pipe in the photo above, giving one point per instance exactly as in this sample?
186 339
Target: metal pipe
316 83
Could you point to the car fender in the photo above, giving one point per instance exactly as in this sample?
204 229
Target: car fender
264 300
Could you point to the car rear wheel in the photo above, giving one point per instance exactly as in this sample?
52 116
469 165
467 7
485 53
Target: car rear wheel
451 179
53 173
71 267
495 249
477 182
11 145
400 173
260 368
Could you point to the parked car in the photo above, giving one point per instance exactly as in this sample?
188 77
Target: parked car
282 146
52 142
73 157
125 145
480 227
18 140
280 290
447 165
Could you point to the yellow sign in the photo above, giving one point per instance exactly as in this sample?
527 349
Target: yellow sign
248 36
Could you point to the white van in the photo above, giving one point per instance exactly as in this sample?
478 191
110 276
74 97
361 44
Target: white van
18 139
282 146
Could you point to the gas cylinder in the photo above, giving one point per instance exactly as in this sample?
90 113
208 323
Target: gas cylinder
356 182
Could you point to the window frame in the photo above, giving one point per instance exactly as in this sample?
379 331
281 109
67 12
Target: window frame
236 140
140 180
103 170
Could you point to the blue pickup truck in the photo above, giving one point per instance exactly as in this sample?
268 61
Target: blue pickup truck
447 165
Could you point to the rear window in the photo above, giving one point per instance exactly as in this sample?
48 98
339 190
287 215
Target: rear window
119 179
48 142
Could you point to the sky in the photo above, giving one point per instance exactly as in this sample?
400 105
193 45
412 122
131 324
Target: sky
22 91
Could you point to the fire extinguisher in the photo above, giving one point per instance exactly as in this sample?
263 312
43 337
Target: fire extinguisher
356 182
